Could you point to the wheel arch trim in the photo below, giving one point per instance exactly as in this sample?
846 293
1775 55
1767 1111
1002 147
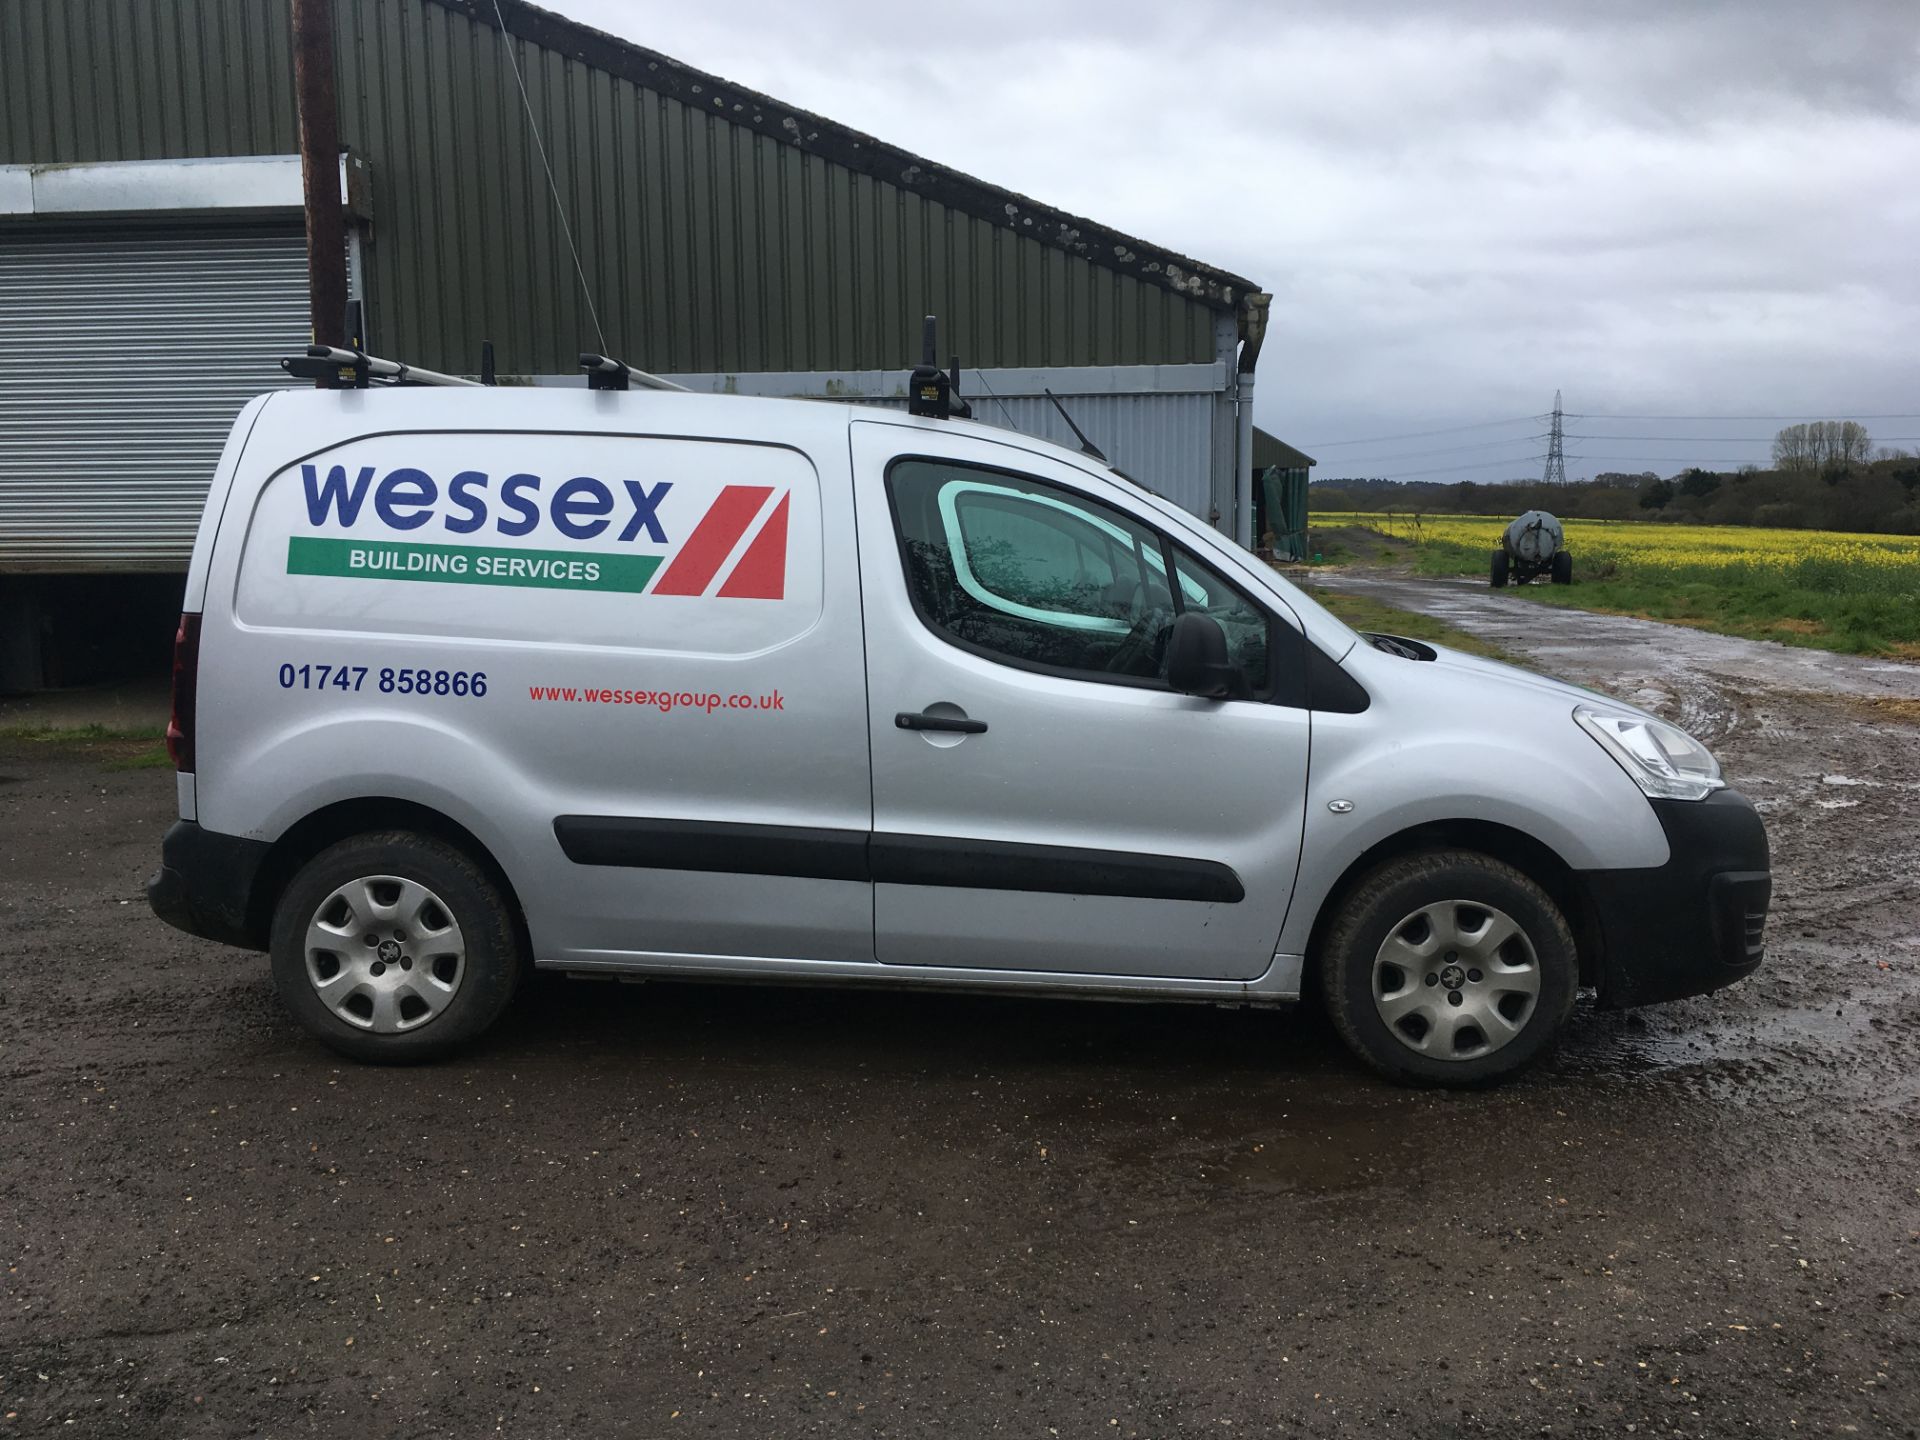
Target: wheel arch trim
361 815
1528 854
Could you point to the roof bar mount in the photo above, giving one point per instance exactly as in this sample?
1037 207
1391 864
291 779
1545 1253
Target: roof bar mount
608 374
932 392
356 370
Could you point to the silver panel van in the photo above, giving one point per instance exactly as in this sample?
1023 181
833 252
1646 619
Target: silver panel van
472 681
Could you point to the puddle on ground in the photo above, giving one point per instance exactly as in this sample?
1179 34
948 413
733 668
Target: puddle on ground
1780 1058
1330 1134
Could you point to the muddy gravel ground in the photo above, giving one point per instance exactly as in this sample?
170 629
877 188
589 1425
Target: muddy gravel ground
659 1210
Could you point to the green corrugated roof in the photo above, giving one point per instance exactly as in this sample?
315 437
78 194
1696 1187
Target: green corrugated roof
719 229
1270 450
864 154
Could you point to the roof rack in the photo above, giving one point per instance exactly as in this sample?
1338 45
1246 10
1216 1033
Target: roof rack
607 374
355 369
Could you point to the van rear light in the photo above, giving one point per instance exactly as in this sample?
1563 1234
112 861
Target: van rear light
186 684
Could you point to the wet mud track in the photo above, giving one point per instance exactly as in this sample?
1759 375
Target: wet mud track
657 1210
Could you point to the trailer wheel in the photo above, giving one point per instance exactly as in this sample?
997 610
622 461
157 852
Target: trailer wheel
1449 967
1499 576
1563 568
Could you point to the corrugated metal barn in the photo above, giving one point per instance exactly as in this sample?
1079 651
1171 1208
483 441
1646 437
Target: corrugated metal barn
150 199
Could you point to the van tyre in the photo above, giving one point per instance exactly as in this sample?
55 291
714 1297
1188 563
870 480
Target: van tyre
1499 573
395 948
1449 968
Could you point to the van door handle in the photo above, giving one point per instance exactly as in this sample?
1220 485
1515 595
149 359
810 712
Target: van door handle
910 720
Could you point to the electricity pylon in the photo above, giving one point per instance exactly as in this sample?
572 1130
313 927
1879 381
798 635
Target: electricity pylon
1556 449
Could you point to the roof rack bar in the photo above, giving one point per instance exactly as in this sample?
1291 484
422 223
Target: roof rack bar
394 370
607 374
334 368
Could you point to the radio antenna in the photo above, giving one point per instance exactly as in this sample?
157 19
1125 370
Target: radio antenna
1005 413
1087 447
553 188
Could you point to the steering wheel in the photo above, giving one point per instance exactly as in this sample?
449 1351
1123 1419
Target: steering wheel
1145 643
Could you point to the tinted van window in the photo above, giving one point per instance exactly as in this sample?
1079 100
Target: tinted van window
1035 575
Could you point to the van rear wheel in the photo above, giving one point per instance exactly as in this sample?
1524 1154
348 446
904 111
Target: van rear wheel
394 948
1449 968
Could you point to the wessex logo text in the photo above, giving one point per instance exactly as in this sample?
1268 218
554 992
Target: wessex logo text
407 499
582 508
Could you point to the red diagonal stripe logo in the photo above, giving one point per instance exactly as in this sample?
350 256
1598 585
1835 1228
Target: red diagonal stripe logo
762 571
713 539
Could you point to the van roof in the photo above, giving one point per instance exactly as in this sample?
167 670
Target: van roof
330 416
308 421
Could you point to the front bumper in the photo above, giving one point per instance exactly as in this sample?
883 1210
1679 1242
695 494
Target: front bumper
206 883
1697 922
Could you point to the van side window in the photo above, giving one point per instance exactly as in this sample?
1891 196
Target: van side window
1034 575
1249 631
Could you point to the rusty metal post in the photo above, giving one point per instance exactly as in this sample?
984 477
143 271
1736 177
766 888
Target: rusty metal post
320 168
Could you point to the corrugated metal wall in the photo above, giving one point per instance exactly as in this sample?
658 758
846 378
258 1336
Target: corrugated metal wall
708 246
1157 423
105 458
1163 441
144 79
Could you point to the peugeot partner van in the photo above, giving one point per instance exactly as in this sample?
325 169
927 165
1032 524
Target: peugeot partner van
474 681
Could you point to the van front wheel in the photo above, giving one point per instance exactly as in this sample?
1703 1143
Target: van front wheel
1449 968
394 948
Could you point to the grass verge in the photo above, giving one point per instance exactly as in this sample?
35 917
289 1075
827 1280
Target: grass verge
136 747
1804 606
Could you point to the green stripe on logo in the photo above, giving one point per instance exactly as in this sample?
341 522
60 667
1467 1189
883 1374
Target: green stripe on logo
468 564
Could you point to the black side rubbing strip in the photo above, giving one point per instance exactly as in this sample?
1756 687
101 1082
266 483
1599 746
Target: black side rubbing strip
802 851
1052 869
890 859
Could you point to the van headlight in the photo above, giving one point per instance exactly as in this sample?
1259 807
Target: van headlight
1667 763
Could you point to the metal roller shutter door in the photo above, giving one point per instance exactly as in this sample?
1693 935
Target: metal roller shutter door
124 356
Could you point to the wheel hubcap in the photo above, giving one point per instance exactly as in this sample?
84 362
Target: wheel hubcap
385 954
1456 980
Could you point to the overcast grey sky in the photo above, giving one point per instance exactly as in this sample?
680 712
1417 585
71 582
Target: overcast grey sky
1459 205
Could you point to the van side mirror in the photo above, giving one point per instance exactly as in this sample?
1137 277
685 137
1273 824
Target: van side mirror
1197 662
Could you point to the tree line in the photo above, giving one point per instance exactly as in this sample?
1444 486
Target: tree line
1826 475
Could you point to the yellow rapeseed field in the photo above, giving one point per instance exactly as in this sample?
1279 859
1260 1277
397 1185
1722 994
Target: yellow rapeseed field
1639 547
1859 593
